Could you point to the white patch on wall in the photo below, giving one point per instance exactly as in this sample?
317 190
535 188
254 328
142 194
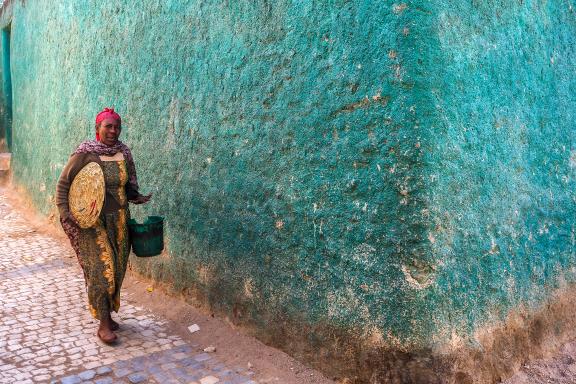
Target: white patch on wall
344 304
363 254
249 288
413 282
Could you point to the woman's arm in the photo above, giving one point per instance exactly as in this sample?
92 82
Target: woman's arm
71 169
141 199
134 196
132 192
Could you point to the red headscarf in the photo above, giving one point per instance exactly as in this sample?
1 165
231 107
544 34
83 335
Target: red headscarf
107 113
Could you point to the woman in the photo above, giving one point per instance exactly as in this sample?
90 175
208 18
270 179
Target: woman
103 249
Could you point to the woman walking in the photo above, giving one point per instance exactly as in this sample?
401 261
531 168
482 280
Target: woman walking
103 247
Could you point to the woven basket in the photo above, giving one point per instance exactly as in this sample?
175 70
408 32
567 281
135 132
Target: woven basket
86 195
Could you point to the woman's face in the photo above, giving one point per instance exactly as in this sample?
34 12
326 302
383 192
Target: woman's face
109 131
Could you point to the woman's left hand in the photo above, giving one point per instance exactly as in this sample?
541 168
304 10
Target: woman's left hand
142 199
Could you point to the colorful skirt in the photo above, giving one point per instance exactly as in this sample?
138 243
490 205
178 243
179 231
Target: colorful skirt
103 253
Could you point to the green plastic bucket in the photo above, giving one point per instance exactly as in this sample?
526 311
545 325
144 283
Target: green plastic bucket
147 238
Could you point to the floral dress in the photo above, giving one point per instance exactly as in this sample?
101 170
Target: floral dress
104 249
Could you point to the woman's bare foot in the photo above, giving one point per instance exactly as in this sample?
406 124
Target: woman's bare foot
114 326
106 335
105 332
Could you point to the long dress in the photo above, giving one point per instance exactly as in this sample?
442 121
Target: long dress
102 250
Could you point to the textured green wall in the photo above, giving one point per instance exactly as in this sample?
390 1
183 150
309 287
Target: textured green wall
5 103
398 172
266 133
501 156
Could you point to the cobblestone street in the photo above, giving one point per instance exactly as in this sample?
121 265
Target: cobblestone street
47 334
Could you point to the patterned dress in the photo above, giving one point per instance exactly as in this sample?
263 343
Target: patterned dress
104 249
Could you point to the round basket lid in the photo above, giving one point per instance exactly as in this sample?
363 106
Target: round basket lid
86 195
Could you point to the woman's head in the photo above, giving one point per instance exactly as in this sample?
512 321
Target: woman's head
108 126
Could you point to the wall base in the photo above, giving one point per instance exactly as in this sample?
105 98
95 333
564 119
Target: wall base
499 350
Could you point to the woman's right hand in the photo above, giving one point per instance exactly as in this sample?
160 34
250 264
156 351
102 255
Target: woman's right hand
71 220
141 199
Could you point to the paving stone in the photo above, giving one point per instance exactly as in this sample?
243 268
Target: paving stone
87 375
168 366
103 370
122 372
71 380
161 376
104 380
202 357
91 365
184 376
209 380
137 378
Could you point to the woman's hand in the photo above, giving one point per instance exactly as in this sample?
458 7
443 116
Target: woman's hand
71 220
141 199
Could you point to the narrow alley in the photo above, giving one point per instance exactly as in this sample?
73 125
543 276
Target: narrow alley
47 334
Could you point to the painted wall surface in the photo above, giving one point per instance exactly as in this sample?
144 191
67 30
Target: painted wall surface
5 102
501 159
400 174
267 134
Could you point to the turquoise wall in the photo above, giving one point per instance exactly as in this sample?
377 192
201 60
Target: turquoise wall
381 174
6 94
501 156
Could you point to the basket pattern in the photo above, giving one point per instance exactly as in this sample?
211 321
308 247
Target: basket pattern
86 195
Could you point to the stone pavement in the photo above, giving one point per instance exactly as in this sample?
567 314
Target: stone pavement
48 336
